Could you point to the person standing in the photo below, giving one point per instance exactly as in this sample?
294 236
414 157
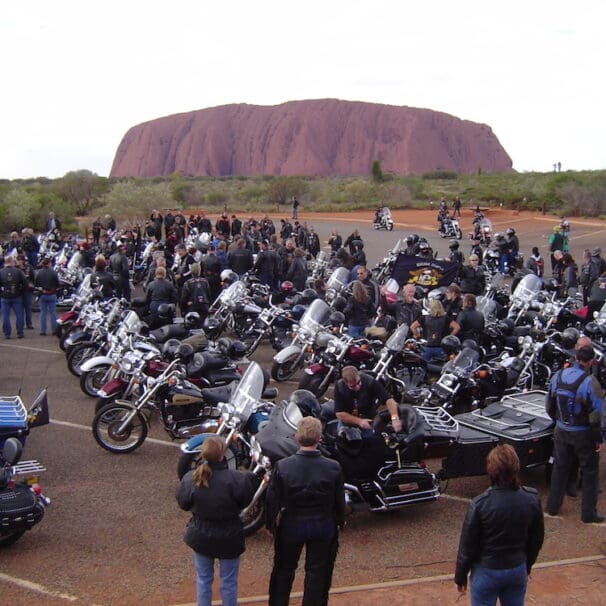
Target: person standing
52 223
118 264
12 285
28 290
46 281
575 401
473 278
195 294
456 207
470 322
305 507
359 310
556 242
215 495
295 208
267 265
96 230
502 535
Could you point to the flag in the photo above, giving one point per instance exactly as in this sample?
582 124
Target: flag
428 273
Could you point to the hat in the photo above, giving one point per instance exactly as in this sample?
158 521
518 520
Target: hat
556 228
596 251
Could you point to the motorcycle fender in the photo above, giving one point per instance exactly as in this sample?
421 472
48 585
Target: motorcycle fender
68 316
76 337
96 361
111 387
291 351
194 443
315 369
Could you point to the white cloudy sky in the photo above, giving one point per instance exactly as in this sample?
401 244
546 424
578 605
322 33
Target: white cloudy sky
77 74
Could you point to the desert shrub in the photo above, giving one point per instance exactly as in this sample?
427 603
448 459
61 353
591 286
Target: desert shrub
440 174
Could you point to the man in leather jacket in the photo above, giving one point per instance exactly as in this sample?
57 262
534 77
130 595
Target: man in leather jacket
305 506
502 534
12 285
118 264
578 418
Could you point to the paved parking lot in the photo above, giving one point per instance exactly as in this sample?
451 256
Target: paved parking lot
112 535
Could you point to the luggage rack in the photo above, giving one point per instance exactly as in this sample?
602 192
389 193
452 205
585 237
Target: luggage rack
438 418
12 411
530 402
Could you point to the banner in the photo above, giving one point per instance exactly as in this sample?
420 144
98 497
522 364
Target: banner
428 273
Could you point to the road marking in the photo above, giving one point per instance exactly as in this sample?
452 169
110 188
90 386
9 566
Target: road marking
37 587
455 498
38 349
405 582
87 428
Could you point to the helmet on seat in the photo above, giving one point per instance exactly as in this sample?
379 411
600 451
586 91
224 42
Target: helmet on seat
236 350
450 344
185 352
308 295
192 319
169 349
570 336
212 327
306 402
336 318
228 276
424 245
499 236
166 311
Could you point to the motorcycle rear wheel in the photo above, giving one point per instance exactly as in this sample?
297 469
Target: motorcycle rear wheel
285 370
93 380
313 383
106 424
10 539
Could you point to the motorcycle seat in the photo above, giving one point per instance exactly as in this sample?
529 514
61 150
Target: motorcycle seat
170 331
269 393
214 395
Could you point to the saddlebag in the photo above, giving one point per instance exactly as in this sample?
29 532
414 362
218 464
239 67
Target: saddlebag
19 509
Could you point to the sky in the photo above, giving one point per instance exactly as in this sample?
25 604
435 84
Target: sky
78 74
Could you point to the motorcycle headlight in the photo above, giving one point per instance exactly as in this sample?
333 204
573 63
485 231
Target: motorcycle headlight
447 381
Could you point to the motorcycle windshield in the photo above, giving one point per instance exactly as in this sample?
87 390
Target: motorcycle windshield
248 392
75 262
467 359
321 257
398 247
488 307
397 340
528 288
84 288
130 324
386 213
486 226
233 293
391 286
498 281
338 278
292 414
315 317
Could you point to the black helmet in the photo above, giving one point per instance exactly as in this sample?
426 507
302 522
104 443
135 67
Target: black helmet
297 311
358 244
510 231
308 295
185 351
349 440
453 244
415 238
339 303
192 319
212 326
450 344
169 349
470 344
592 330
507 325
166 310
306 402
570 336
409 239
336 318
236 350
424 245
223 345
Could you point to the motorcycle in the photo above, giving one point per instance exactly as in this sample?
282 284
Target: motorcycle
382 271
317 268
482 230
290 359
383 219
22 504
450 228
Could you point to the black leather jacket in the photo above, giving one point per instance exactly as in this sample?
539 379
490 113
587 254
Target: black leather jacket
305 486
503 528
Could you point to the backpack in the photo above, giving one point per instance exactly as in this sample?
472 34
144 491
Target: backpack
565 405
198 293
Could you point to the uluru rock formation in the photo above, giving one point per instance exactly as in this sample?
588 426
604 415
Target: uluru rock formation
316 137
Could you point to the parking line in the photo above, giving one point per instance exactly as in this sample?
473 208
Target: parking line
38 349
31 586
88 428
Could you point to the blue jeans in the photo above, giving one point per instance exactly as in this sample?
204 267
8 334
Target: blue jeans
508 584
205 570
16 304
28 297
429 353
355 331
48 307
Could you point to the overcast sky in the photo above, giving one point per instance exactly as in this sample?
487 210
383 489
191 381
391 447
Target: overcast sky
77 75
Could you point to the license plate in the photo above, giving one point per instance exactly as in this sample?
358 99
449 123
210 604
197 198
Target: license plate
408 487
31 480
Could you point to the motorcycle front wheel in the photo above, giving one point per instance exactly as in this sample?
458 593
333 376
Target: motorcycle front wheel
283 371
255 517
93 380
79 354
106 429
313 383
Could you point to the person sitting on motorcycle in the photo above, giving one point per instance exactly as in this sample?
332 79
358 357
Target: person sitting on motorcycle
502 247
357 400
476 249
535 262
433 327
412 248
514 246
443 218
378 215
425 250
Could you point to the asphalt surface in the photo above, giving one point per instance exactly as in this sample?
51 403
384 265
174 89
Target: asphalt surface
112 535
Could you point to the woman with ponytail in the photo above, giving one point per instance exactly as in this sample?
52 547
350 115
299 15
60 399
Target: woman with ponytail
216 495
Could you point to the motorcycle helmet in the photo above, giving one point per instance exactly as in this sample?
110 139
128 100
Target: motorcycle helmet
570 336
337 318
143 329
192 320
228 276
308 295
297 311
453 245
450 344
358 244
415 238
349 440
499 236
236 350
556 228
166 311
339 303
185 352
287 287
211 326
223 345
424 245
437 293
169 349
409 240
510 231
470 344
306 402
507 325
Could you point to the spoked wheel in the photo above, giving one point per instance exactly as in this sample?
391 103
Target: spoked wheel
313 383
6 540
107 432
283 371
79 354
254 518
92 380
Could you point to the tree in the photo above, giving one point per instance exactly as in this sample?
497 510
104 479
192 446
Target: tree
281 189
377 173
82 189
